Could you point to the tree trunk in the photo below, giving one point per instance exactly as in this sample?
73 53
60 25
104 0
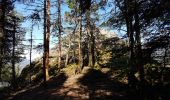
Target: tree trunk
13 57
90 40
70 37
0 69
164 65
74 47
138 47
131 77
93 45
69 47
1 50
130 32
80 46
31 51
48 36
46 39
2 30
59 34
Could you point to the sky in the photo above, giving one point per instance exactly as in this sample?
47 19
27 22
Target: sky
26 10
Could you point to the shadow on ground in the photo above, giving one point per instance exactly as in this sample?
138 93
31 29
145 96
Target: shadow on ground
92 85
102 87
41 92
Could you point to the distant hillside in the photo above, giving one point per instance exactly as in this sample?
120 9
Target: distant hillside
108 34
24 63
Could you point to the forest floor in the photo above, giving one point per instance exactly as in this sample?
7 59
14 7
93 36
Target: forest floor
91 84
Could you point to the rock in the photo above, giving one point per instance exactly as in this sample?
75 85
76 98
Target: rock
105 70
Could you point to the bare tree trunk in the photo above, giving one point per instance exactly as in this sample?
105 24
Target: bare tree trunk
46 39
59 34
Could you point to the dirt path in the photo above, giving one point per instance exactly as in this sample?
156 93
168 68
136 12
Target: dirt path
91 84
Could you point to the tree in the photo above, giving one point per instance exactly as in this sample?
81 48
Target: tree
68 50
80 45
85 6
75 17
46 39
59 33
11 40
90 41
13 54
5 7
135 16
16 49
35 19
